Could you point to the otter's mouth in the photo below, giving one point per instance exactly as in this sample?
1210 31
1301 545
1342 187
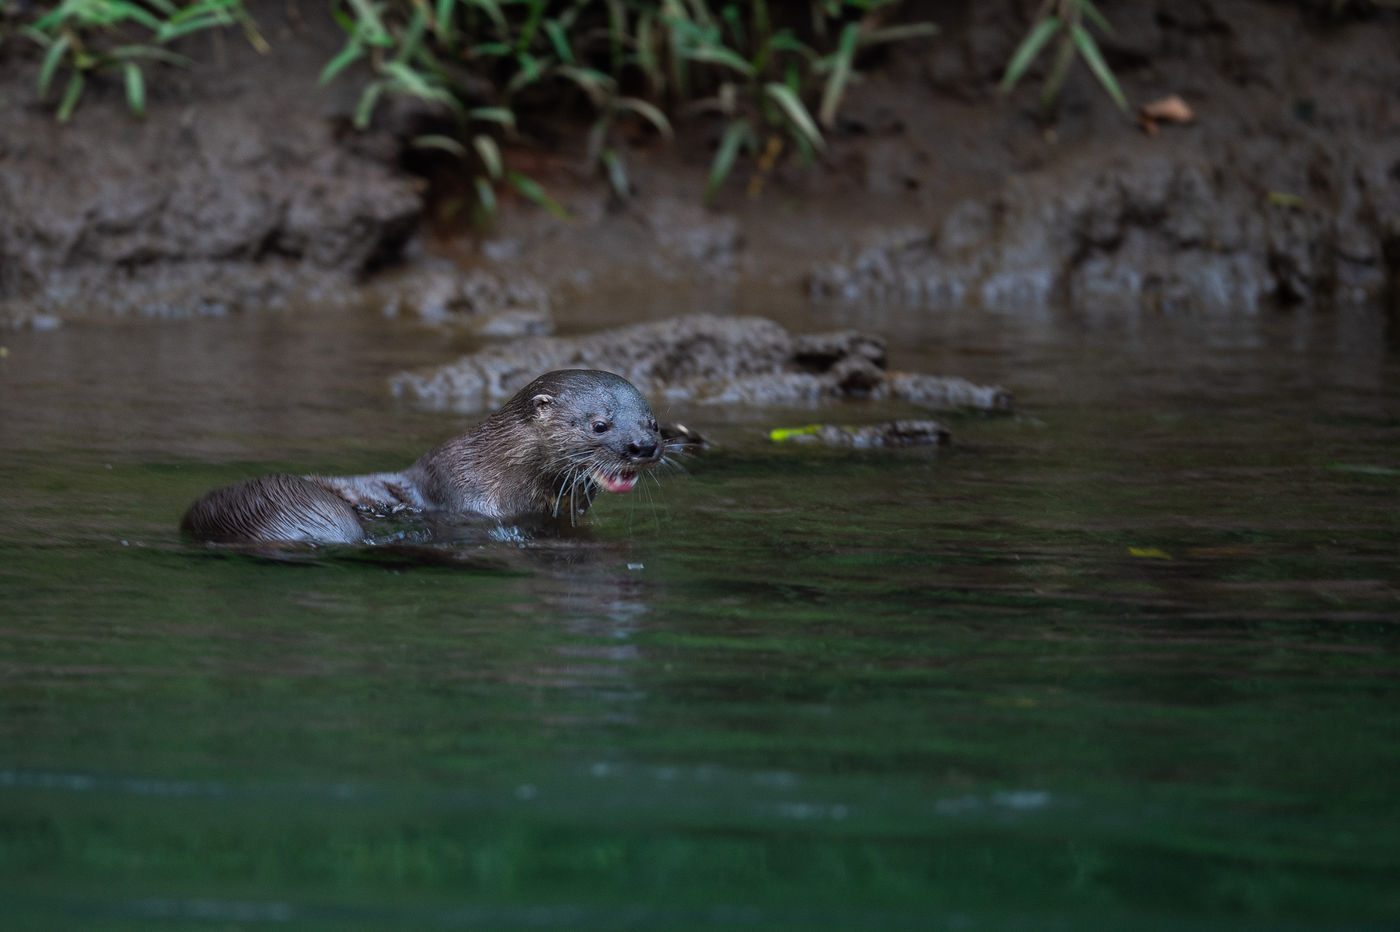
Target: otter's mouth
622 480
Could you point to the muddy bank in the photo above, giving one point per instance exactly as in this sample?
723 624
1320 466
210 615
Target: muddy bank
240 189
244 187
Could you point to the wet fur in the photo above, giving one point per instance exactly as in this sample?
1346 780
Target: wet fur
532 462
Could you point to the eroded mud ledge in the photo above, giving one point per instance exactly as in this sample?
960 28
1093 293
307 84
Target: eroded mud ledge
245 188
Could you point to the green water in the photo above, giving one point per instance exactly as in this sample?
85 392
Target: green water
1129 658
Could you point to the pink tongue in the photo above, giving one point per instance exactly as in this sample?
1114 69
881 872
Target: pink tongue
617 483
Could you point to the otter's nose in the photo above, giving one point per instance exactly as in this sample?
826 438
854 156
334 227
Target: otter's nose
643 450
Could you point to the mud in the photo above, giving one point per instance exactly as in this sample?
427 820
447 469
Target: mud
700 359
245 187
237 191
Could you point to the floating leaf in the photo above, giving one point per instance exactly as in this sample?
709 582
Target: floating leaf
1285 199
779 434
1150 553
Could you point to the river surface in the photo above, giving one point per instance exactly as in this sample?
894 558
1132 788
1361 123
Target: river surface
1126 658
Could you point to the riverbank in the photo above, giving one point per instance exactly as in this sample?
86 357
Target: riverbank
246 187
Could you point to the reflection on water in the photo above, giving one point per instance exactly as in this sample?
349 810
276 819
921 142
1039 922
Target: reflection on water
1125 657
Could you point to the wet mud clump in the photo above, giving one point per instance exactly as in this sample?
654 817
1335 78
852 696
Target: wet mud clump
238 189
702 359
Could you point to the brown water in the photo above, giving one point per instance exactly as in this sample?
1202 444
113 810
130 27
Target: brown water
1127 658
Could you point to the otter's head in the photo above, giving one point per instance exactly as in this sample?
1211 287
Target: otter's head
597 428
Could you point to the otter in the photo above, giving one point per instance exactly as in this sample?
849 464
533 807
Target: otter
538 460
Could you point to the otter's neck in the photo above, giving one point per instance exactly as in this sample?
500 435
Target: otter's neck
497 470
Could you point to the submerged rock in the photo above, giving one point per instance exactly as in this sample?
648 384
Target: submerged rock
701 359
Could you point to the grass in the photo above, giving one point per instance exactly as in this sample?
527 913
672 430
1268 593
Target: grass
1063 23
769 77
87 37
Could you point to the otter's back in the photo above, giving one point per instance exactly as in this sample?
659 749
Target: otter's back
273 509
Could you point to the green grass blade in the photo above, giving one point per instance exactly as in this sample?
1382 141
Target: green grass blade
558 41
796 112
493 10
718 55
442 17
436 141
489 153
617 174
532 25
368 24
842 65
649 112
1027 51
118 12
70 96
897 33
1090 50
135 88
1059 70
133 52
530 71
485 196
535 192
735 137
169 31
785 41
499 115
51 60
1092 14
352 52
595 84
646 52
364 108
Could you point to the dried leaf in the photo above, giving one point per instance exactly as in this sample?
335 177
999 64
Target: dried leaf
1169 109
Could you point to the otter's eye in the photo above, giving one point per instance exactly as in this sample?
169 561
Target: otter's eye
651 425
600 426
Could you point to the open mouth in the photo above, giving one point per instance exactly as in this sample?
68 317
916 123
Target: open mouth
621 481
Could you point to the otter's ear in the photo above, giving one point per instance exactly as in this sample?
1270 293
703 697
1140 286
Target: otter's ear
541 401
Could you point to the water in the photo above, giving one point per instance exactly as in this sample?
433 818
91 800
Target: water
1126 659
